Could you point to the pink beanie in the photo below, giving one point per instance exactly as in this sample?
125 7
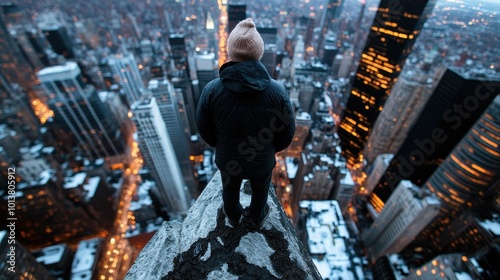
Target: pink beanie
245 42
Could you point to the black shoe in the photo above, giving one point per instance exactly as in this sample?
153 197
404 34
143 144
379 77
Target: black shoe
233 223
259 223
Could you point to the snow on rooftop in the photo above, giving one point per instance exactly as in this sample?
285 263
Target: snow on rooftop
291 168
492 226
58 69
463 276
327 235
75 181
85 256
91 187
50 255
323 267
347 180
320 240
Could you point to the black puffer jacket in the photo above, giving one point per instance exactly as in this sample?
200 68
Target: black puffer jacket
247 117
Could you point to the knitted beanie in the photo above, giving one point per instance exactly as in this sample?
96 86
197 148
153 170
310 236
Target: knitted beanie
245 42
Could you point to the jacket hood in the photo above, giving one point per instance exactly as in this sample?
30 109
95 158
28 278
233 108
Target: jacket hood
245 77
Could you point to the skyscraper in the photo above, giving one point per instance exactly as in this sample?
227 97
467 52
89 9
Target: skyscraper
457 102
23 264
15 68
402 108
126 73
206 71
467 174
159 156
79 112
404 216
179 53
392 35
303 124
168 103
329 19
235 14
56 34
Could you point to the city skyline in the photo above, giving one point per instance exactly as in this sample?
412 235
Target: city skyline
97 103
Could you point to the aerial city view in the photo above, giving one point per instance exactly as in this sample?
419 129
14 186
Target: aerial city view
393 171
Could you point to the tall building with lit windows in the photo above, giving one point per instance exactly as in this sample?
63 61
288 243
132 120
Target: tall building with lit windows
159 156
15 66
402 108
80 113
303 124
458 100
392 35
468 174
125 72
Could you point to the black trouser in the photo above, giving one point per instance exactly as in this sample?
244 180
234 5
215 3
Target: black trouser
231 196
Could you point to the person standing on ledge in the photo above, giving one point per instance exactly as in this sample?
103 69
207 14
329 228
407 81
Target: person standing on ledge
247 116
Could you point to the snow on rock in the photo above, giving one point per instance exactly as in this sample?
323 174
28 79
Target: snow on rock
205 246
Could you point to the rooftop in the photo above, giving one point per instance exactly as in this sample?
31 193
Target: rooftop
328 235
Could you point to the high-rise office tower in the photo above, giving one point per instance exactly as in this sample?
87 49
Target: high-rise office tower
450 266
188 90
268 34
468 173
172 115
270 48
235 14
20 263
206 71
457 102
126 73
269 59
392 35
345 186
15 67
337 62
376 171
303 124
345 65
304 26
402 108
15 109
298 54
403 217
56 34
330 51
159 156
80 113
179 52
329 20
25 39
359 31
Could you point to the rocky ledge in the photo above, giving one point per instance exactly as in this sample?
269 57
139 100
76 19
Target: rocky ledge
205 246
